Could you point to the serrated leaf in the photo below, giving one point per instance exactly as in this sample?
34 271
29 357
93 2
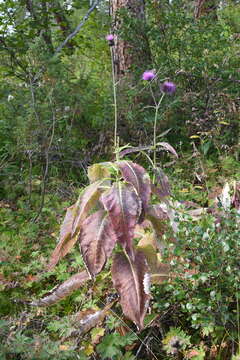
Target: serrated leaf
139 178
110 346
86 201
97 240
131 279
61 291
96 334
66 241
99 171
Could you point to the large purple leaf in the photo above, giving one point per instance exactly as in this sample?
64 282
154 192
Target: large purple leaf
139 178
131 278
123 206
66 241
87 200
97 239
63 290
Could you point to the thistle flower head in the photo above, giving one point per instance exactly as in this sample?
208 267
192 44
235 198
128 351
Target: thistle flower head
110 37
168 87
148 75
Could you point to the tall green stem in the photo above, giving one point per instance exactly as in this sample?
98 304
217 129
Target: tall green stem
157 106
116 145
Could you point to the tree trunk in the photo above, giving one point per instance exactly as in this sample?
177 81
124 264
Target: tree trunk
133 52
206 7
132 55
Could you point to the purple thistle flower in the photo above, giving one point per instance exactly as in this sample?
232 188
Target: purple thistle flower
168 87
110 37
148 75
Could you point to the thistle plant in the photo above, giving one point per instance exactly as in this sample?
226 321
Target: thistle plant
166 88
117 207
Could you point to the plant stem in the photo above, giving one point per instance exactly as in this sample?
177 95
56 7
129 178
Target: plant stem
116 145
157 106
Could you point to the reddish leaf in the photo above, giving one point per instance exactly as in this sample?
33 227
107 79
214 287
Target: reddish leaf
66 241
160 212
139 178
168 147
131 279
236 195
63 290
123 206
85 320
156 215
134 149
164 145
162 187
97 240
87 201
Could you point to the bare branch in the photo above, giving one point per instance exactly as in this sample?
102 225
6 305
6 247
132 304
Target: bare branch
70 36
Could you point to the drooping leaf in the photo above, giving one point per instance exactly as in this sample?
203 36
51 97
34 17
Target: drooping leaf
236 195
99 171
131 278
148 245
97 240
123 206
87 201
168 147
162 187
139 178
134 149
157 216
87 319
158 213
66 241
61 291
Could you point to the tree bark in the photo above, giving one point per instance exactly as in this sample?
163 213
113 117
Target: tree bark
206 7
131 55
127 53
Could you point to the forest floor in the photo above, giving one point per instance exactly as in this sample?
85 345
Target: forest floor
189 318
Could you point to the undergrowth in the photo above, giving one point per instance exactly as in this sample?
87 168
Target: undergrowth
193 315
